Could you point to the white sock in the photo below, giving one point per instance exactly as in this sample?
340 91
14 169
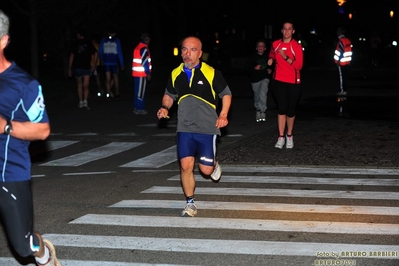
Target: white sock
43 260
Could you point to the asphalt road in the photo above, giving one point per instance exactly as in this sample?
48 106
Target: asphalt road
107 192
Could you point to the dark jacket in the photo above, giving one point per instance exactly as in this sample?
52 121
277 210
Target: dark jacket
258 75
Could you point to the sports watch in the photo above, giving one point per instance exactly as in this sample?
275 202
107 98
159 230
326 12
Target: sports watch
8 128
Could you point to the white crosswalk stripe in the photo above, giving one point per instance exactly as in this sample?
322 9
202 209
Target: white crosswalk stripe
266 207
210 245
301 180
12 262
274 192
155 160
94 154
241 224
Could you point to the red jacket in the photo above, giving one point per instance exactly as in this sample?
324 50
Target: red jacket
343 52
285 71
141 63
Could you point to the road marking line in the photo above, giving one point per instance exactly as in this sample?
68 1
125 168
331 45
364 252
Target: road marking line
58 144
257 206
271 192
155 160
240 224
13 262
89 173
84 134
299 180
94 154
313 170
124 134
190 245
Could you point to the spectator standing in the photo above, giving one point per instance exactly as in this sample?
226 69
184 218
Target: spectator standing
141 72
110 53
23 118
343 58
196 87
260 78
80 66
287 55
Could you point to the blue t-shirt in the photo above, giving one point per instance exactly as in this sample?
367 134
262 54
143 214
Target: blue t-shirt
110 52
21 100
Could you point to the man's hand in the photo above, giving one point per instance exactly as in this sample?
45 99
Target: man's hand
162 113
221 122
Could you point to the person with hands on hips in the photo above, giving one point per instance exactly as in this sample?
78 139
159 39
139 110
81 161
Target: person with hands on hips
287 54
196 87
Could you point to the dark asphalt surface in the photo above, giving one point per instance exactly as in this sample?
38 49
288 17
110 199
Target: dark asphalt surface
359 131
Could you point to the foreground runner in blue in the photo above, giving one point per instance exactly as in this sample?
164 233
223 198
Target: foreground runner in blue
23 118
196 86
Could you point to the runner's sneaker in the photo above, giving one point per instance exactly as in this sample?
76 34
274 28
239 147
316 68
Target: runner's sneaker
140 112
290 142
81 104
217 172
190 210
258 119
53 258
280 143
85 105
263 116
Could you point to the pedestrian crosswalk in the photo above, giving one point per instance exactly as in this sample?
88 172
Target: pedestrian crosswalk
285 191
238 182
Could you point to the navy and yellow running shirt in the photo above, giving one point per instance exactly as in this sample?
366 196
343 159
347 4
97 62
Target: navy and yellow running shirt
21 100
197 92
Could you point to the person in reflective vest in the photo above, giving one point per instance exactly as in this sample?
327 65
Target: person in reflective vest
343 58
141 72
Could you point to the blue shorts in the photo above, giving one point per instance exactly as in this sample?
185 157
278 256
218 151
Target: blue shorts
78 72
114 69
191 144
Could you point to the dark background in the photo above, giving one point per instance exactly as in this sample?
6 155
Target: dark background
236 26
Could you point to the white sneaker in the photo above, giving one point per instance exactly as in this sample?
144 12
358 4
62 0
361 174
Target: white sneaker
217 172
280 143
81 104
85 105
290 142
190 210
258 119
263 116
53 258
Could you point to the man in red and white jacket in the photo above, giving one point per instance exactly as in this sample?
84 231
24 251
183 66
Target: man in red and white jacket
343 58
141 72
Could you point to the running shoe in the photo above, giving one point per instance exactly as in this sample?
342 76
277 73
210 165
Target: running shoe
290 142
190 210
217 172
53 258
280 143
